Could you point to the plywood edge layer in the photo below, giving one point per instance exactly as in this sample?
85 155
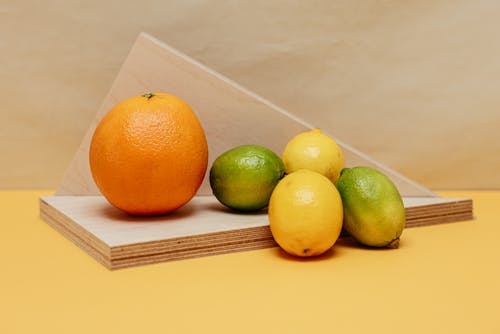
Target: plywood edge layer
165 257
226 237
69 224
68 234
439 209
451 218
439 202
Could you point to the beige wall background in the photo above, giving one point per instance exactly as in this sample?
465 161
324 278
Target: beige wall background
415 83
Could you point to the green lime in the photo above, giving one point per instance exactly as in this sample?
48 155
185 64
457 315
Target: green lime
244 177
374 213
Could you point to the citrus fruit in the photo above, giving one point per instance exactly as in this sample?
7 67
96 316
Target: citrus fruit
315 151
305 213
244 177
374 213
149 154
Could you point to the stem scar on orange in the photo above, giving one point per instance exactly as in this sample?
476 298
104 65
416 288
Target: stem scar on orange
149 154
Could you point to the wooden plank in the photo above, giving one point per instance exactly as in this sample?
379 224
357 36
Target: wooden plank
223 106
118 240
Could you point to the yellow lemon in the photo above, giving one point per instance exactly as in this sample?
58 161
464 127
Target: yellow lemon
315 151
305 213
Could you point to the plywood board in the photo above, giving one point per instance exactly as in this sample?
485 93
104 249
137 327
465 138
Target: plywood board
230 114
202 227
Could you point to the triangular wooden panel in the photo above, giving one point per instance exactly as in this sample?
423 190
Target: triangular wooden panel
230 114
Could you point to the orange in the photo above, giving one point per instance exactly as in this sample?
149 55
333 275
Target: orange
149 154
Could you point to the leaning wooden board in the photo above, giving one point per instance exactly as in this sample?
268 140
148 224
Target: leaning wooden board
231 115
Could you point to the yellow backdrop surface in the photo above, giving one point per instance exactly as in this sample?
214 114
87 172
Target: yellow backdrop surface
412 83
442 279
